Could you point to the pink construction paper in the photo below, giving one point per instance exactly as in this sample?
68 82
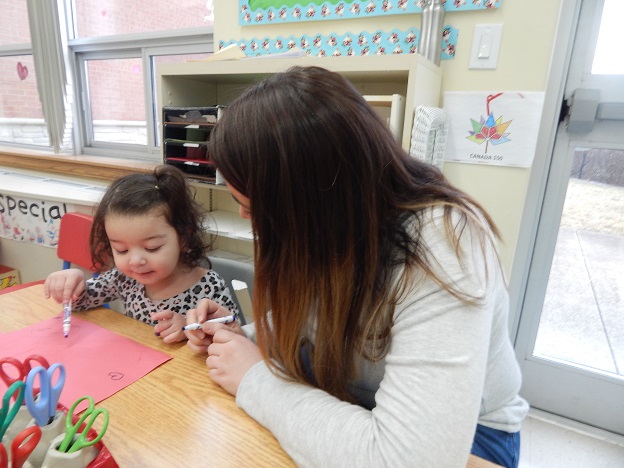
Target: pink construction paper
97 361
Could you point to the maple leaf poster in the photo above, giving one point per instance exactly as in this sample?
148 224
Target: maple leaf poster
495 128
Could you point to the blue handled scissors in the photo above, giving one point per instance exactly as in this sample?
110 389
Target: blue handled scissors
20 368
74 440
43 408
8 412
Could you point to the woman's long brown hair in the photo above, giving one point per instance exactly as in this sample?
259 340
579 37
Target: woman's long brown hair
331 194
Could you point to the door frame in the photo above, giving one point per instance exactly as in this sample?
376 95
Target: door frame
527 236
545 200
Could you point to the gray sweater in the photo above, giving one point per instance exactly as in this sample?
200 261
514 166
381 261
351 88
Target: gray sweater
449 367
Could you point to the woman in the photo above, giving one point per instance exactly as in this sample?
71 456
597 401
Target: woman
380 307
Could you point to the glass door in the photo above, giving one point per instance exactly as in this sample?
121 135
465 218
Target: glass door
572 353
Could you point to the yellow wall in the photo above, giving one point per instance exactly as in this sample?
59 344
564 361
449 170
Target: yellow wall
529 28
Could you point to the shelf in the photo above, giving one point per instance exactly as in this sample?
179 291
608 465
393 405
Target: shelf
227 224
232 256
201 184
207 83
391 108
22 185
188 125
393 84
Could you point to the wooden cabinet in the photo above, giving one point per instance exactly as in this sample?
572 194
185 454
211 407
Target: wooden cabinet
394 84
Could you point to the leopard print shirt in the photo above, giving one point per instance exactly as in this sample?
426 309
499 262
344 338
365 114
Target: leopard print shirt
113 285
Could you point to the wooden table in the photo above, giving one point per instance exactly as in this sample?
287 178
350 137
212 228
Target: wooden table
175 415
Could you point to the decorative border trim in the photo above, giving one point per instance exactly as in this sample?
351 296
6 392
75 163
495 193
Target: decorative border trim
315 11
348 44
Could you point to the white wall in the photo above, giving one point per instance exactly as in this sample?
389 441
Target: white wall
34 262
529 28
528 35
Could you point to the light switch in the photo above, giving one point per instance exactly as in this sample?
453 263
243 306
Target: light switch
485 46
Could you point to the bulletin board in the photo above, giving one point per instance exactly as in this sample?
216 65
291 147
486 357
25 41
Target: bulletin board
254 12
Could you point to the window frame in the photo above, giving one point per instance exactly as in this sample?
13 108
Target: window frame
145 46
15 50
76 53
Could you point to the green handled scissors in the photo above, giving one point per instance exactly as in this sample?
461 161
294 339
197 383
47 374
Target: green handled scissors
8 412
75 440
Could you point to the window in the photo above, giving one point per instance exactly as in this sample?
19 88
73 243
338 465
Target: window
21 116
112 48
608 59
96 18
14 26
120 109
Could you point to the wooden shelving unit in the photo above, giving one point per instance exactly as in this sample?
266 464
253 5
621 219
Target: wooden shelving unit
394 84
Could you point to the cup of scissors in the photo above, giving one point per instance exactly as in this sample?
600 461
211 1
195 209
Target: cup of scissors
42 403
78 446
13 370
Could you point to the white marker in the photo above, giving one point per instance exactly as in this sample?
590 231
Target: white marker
67 310
197 325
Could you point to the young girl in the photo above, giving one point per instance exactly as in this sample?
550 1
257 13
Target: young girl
380 305
150 227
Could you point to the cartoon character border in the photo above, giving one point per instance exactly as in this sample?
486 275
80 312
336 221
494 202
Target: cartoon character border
346 10
348 44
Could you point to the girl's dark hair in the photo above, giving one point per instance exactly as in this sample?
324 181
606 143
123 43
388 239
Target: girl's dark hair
336 205
164 189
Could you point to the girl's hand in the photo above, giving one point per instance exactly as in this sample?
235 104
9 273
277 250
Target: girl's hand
230 356
199 340
169 326
65 285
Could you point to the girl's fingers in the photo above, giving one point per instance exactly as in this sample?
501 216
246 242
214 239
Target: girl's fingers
220 332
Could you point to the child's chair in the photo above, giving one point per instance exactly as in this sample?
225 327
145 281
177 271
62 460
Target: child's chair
73 245
239 277
73 241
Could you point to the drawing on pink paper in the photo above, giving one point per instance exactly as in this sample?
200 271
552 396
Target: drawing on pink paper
98 362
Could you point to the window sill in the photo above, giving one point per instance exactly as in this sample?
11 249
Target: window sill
86 167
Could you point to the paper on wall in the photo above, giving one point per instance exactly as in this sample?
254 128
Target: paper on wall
495 128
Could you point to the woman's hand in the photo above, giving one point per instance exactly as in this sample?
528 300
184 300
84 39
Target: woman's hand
65 285
169 326
199 340
230 356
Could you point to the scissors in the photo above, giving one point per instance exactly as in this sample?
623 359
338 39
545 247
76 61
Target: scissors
23 445
43 408
74 440
8 412
21 369
4 458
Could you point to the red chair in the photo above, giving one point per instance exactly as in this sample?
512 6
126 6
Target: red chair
73 241
73 246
